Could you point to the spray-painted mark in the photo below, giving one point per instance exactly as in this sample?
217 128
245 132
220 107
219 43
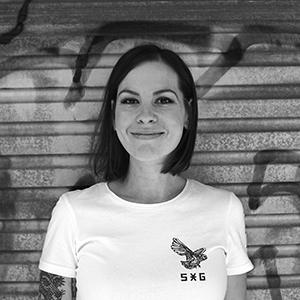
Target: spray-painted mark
258 191
109 32
6 38
267 254
10 64
231 57
231 51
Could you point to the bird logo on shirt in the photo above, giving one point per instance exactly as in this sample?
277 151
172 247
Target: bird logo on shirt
193 258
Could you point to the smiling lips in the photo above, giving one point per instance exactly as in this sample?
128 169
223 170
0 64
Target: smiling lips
147 135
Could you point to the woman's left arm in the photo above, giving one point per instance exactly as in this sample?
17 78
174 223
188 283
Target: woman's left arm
236 287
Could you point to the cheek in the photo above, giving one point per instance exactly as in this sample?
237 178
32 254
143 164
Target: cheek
121 120
122 123
177 119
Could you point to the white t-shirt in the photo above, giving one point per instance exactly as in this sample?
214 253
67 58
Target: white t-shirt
183 248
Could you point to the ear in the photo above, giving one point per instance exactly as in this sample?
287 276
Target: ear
186 123
186 120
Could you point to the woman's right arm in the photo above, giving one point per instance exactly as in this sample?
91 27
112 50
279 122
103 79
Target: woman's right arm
55 287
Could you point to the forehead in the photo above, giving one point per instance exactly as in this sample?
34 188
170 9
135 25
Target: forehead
153 74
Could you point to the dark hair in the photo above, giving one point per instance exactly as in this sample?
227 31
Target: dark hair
109 159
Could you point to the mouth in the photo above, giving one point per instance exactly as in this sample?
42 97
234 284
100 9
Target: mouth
147 135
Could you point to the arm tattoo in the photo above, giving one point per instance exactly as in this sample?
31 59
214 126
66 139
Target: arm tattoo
74 288
50 286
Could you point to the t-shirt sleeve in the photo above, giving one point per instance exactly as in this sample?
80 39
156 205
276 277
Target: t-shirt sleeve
59 250
237 260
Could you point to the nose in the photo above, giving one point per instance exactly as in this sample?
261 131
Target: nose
146 116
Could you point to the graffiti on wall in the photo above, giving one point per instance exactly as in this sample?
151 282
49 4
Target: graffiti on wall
231 51
7 37
258 192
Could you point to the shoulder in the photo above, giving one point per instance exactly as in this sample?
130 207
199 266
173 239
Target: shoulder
84 192
84 196
212 198
209 192
217 200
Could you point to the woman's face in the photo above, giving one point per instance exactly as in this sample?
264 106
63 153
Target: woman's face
150 112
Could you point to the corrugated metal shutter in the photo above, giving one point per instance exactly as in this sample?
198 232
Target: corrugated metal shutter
245 58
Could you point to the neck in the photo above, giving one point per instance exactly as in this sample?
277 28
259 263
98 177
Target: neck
145 183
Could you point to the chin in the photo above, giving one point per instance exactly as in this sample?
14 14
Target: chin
151 153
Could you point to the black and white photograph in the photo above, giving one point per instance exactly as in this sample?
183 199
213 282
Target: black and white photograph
150 150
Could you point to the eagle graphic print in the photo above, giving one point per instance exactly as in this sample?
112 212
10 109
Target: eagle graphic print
193 258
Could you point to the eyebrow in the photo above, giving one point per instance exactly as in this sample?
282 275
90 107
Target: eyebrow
164 91
155 93
128 91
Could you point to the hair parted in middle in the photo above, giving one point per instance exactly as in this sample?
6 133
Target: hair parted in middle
109 159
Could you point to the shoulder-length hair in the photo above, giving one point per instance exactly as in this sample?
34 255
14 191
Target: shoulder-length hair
109 159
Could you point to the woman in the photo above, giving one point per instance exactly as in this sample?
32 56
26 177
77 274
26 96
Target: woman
146 232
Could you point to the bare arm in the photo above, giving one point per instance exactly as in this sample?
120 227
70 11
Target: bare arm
55 287
236 287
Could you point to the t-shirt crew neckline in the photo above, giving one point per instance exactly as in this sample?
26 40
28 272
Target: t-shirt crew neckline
125 202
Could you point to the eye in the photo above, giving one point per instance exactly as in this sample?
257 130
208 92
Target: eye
164 100
129 101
